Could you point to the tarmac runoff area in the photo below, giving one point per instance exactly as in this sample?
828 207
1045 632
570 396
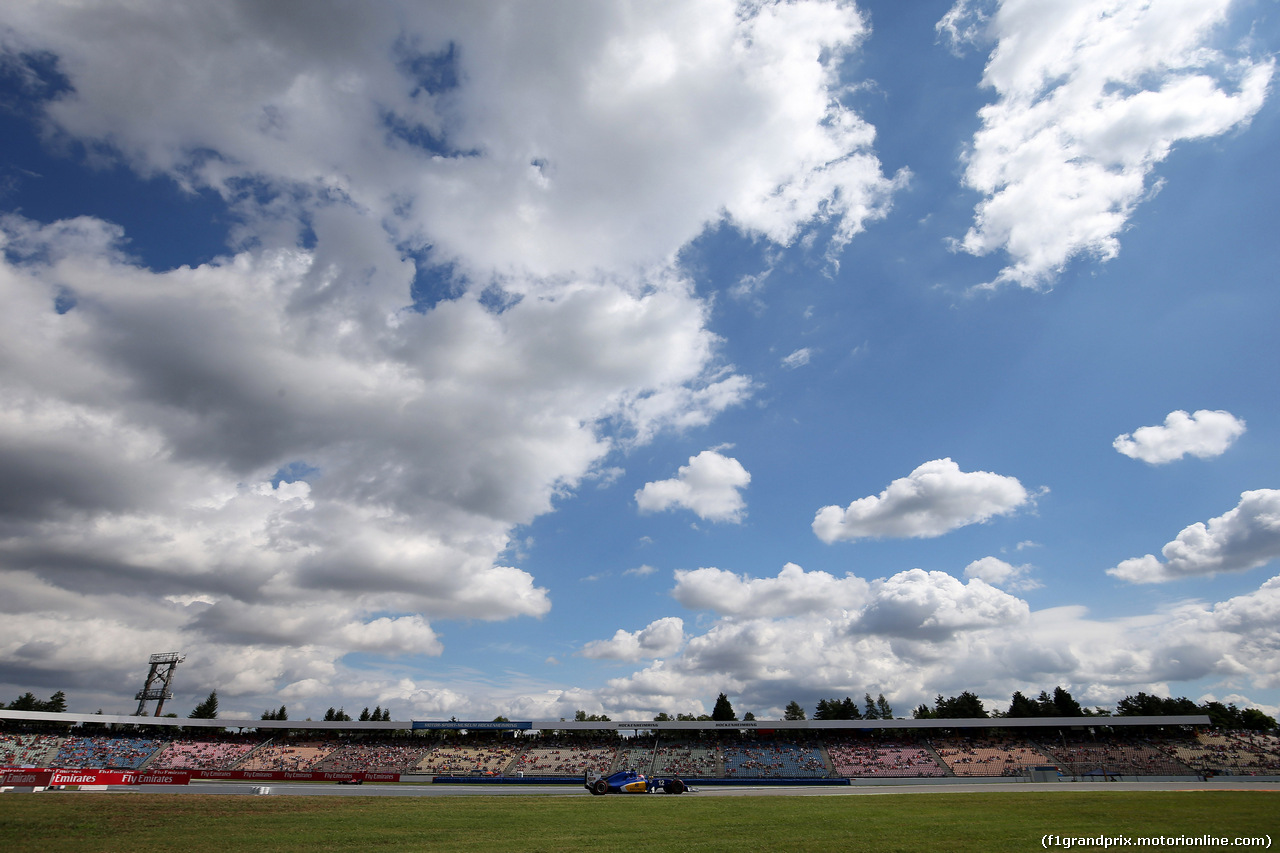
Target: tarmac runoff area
327 790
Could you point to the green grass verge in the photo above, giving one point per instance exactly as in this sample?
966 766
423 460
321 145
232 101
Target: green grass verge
880 824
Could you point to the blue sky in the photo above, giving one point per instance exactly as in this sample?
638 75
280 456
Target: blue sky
526 358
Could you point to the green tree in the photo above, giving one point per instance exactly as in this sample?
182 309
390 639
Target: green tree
1257 721
836 709
1146 705
57 703
749 717
1065 704
871 712
1021 706
664 717
883 708
26 702
965 706
723 711
206 710
793 711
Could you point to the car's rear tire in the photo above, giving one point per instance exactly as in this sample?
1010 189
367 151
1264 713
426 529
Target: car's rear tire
600 787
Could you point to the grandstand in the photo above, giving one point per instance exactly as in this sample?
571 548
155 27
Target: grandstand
1226 753
568 757
773 758
377 757
685 758
288 755
857 757
1117 756
797 751
461 759
28 750
116 753
201 754
989 756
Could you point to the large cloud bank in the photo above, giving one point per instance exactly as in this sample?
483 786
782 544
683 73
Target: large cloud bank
449 296
803 635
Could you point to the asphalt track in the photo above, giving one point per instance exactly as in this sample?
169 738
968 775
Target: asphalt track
326 790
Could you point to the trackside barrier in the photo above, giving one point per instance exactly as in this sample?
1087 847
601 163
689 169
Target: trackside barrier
60 776
44 777
772 781
294 775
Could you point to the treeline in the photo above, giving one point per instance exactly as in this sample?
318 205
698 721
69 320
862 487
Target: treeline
377 715
1059 703
205 710
722 713
1223 716
56 704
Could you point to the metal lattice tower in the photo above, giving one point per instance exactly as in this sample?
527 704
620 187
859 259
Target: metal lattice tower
158 680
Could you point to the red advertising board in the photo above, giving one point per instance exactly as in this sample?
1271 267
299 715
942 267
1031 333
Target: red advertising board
27 778
43 778
60 776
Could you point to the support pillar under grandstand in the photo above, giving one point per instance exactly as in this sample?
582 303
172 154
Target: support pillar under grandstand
161 673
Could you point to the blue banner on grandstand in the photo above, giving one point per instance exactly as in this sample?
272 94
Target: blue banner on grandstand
470 725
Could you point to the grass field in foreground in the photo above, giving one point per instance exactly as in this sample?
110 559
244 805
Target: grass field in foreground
881 824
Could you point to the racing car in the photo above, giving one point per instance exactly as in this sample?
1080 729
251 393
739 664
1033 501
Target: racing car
630 782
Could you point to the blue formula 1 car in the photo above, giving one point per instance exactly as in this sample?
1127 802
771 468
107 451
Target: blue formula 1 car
630 782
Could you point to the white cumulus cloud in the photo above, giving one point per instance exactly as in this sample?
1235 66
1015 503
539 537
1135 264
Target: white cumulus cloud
1240 539
658 639
916 604
1203 434
999 573
793 592
935 498
1092 95
709 486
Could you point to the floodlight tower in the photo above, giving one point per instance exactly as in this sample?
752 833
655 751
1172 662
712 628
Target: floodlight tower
161 674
